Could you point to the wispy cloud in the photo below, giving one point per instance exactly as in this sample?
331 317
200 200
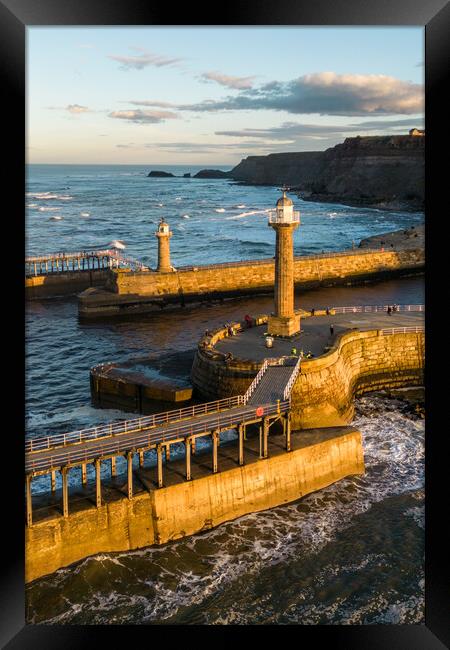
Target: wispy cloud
150 102
143 60
238 83
326 93
74 109
144 117
295 130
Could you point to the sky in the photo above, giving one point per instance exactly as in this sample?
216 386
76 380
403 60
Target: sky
210 95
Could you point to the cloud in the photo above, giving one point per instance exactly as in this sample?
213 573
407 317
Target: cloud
149 102
74 109
143 60
211 147
144 117
295 130
326 93
229 81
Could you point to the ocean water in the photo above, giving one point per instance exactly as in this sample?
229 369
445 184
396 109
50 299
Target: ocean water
212 220
352 553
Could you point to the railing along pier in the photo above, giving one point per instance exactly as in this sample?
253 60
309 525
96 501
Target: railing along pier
94 260
77 449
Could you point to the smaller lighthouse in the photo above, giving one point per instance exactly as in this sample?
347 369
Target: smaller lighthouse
163 234
284 220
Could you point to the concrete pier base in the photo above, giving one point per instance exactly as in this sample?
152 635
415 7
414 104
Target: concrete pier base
156 515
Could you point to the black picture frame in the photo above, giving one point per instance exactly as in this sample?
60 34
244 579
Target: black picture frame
15 16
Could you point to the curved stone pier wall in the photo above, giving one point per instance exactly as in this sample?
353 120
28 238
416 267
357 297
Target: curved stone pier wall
324 390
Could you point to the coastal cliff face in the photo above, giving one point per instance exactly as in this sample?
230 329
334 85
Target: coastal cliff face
378 171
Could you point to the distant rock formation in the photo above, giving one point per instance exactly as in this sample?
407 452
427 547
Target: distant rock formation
157 174
387 172
188 175
212 173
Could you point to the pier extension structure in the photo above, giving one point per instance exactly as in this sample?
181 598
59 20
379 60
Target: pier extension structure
63 273
266 401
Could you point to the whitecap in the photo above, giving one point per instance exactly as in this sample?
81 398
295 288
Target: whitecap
116 243
247 214
56 218
85 214
186 216
45 209
219 210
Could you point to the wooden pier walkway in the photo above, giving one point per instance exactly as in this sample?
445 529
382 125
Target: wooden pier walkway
79 261
266 401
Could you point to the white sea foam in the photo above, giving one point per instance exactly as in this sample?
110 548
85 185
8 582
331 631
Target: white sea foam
219 210
85 214
44 196
116 243
246 214
186 216
46 209
57 217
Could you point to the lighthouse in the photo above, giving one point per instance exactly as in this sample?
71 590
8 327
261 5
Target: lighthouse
163 234
284 220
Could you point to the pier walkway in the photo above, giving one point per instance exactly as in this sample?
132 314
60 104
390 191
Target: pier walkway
266 401
80 261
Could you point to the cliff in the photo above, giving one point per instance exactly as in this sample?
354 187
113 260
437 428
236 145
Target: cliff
377 171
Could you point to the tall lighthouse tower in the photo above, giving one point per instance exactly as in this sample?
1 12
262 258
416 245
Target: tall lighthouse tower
163 234
284 221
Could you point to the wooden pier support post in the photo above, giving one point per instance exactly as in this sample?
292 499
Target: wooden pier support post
53 480
241 433
130 474
160 466
261 441
29 502
141 459
98 483
113 466
83 474
265 436
187 447
167 453
65 492
288 431
215 441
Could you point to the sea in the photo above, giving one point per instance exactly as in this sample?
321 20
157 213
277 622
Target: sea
352 553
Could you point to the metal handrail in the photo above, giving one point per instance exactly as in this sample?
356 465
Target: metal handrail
375 308
118 428
292 378
402 330
256 381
